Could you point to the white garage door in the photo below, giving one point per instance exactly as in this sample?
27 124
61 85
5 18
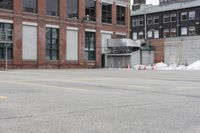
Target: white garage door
29 43
105 37
72 45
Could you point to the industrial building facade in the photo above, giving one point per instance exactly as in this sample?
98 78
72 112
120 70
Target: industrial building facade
169 20
60 33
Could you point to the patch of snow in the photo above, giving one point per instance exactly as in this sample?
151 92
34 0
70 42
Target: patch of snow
194 66
163 66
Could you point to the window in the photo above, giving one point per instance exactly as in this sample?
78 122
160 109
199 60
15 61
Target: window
6 4
106 13
30 6
192 15
90 10
120 36
173 32
156 34
141 35
173 17
6 40
134 35
150 34
149 21
52 47
156 20
72 9
183 16
166 18
52 7
135 22
184 31
90 53
120 15
140 22
165 33
192 31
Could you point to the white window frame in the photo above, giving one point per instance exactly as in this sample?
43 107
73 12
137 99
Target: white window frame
184 31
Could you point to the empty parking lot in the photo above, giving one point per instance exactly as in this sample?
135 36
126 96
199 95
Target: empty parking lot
99 101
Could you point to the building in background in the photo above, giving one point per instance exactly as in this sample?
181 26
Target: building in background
173 29
164 2
178 19
60 33
139 2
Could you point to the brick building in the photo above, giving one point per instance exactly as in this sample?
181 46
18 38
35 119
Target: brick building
60 33
177 19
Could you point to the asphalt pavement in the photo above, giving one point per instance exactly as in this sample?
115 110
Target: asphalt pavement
99 101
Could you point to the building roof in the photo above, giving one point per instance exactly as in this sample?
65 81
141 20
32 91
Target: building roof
158 8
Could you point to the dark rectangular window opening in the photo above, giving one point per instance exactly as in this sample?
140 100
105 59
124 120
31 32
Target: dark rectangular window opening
90 52
120 15
6 4
52 7
6 41
52 44
30 6
90 10
106 13
72 9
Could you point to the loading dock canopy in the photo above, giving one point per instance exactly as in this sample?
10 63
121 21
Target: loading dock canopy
123 43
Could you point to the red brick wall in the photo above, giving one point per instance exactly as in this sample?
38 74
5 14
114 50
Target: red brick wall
159 49
41 19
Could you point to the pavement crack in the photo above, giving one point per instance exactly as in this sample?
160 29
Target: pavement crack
16 117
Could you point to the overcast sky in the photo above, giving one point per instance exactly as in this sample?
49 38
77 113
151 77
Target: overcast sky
154 2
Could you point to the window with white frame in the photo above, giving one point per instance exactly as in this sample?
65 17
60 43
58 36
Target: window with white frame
184 31
183 16
149 21
192 15
166 18
134 35
173 17
140 22
141 35
173 32
192 31
166 33
150 34
156 34
156 20
135 22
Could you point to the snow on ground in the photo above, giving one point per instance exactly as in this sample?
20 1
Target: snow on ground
163 66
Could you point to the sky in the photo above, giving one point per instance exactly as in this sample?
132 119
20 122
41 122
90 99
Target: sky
154 2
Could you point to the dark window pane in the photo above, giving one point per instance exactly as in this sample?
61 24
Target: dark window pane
90 46
52 44
3 51
106 13
90 10
30 6
120 15
52 7
6 4
72 9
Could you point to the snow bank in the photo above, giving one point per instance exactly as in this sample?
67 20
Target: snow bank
194 66
163 66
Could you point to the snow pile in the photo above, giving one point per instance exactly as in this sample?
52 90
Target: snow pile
163 66
194 66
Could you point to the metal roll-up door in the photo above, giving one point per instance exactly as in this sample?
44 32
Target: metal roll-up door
29 43
72 45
